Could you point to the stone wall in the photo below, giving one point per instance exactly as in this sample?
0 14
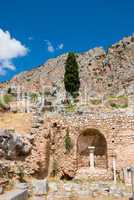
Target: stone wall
117 129
47 142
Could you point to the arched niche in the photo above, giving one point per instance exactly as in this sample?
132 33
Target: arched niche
87 138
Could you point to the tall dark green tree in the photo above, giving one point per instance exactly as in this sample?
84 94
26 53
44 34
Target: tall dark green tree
71 76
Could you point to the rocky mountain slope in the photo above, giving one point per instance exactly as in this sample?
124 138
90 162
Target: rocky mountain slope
101 73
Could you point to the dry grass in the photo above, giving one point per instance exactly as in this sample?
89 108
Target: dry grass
20 122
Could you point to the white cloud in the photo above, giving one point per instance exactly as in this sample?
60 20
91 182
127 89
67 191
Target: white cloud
2 71
61 46
51 48
8 64
10 48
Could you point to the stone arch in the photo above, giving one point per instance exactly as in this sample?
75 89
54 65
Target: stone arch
92 137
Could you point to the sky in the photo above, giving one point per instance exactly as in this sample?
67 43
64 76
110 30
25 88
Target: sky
32 31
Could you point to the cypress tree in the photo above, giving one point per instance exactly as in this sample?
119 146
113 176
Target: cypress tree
71 76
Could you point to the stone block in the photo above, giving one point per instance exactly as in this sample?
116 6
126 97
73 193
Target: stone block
1 189
21 186
15 195
53 186
40 187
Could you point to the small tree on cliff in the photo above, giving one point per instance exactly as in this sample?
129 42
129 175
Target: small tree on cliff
71 76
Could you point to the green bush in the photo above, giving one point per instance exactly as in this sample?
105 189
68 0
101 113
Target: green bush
68 142
96 101
34 97
118 101
70 107
54 169
117 97
5 100
9 91
71 76
113 105
117 106
20 173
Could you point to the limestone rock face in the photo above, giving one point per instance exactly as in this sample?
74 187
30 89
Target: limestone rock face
101 73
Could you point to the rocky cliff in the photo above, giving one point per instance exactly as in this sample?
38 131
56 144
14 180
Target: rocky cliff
101 73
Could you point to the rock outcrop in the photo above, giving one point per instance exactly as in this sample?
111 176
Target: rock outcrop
101 73
13 146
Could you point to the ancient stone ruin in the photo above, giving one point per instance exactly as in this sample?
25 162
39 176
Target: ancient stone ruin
91 140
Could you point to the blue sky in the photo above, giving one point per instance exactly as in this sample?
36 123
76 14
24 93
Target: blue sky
51 27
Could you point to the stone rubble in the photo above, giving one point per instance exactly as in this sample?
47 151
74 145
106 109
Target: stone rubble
13 145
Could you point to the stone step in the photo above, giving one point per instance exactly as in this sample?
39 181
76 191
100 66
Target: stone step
15 195
89 173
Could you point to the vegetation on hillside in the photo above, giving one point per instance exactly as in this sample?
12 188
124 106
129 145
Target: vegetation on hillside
5 100
118 101
55 170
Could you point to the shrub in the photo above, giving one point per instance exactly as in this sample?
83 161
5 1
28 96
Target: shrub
96 101
71 76
5 100
68 142
118 101
117 106
113 105
34 97
9 91
118 97
54 169
70 107
20 173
